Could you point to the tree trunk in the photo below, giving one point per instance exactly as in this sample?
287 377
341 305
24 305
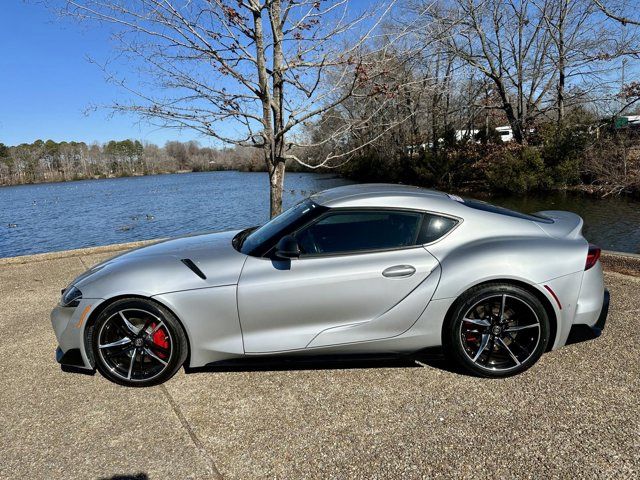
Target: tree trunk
514 121
276 187
276 179
561 82
561 63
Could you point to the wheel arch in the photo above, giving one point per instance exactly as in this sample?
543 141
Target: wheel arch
544 300
93 316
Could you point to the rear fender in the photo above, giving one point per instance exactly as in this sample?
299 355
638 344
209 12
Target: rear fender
564 300
531 260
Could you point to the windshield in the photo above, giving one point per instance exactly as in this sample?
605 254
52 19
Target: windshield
259 241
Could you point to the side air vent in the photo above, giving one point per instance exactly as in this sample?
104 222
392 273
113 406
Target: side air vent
194 268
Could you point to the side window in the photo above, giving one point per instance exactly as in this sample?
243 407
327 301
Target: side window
344 232
433 227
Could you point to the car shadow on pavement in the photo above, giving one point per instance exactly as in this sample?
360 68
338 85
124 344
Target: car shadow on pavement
425 358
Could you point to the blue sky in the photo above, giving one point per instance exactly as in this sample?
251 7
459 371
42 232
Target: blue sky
48 86
47 83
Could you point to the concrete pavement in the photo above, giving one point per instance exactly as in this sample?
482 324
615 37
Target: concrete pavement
575 414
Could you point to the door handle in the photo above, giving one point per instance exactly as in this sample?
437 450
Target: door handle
399 271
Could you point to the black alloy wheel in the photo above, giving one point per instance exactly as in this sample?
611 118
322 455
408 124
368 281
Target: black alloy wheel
137 342
497 330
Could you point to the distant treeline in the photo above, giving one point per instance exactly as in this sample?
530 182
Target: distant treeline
49 161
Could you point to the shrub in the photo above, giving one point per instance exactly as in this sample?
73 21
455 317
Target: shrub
562 150
517 170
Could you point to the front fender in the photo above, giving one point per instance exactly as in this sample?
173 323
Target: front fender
210 318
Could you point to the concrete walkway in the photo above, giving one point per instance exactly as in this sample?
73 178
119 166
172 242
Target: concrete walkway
575 414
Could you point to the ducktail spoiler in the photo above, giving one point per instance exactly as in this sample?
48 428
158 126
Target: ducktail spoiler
565 224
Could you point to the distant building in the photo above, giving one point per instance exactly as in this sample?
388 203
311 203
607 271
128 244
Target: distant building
469 134
506 134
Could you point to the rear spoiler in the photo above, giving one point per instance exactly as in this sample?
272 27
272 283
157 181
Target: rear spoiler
565 224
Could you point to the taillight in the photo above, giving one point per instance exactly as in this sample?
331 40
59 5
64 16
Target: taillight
592 256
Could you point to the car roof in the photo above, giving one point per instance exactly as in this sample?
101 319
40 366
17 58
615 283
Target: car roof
382 195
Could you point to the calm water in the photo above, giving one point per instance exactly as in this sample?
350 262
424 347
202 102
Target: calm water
61 216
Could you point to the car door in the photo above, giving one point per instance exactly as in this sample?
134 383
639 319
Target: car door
356 271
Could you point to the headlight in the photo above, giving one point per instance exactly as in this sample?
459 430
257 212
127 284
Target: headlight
71 297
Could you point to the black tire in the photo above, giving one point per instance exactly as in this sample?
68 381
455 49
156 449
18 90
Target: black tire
148 357
489 338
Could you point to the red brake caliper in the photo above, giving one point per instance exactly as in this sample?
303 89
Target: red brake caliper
160 338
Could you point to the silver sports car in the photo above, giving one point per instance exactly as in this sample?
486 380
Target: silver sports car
361 269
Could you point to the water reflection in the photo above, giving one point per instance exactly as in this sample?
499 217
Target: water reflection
612 223
61 216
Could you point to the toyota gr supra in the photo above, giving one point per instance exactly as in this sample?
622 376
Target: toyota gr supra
360 269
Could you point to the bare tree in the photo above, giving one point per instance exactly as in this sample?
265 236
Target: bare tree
509 43
618 10
248 73
586 46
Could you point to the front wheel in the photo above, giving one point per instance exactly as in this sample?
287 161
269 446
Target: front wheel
138 343
497 330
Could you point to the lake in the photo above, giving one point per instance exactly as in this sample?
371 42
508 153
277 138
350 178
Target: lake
61 216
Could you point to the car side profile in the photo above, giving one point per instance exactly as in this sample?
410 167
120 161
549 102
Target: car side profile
359 269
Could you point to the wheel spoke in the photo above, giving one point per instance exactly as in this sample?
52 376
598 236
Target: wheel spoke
146 325
135 330
483 344
502 305
118 351
478 321
517 328
506 347
125 332
141 363
117 343
156 328
520 347
489 351
158 348
133 359
154 356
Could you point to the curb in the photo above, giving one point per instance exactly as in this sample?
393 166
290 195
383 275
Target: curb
621 262
80 252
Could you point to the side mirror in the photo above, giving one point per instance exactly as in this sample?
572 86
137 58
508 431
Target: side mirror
288 247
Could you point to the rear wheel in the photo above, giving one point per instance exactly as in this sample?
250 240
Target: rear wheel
497 330
138 343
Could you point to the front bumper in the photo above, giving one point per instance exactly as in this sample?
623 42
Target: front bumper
71 358
68 324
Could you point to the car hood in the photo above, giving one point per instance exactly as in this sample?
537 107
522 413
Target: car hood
204 245
185 263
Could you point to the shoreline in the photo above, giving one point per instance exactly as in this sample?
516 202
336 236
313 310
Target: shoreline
584 190
116 177
612 261
180 172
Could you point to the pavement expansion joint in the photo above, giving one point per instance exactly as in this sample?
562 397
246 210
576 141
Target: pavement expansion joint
211 466
83 262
